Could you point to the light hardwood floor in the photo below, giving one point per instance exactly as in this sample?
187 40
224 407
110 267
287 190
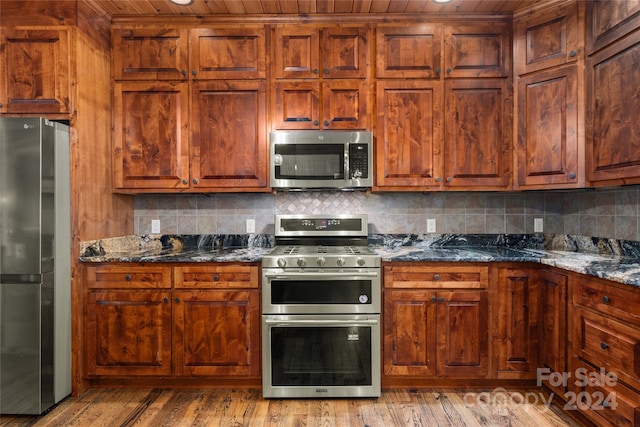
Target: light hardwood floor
243 407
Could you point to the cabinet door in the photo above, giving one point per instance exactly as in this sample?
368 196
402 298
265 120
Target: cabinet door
612 133
151 137
345 104
297 52
34 71
409 139
463 333
547 149
345 52
608 21
411 51
479 50
149 54
546 40
228 139
477 133
297 105
227 53
409 333
128 333
217 333
517 329
552 343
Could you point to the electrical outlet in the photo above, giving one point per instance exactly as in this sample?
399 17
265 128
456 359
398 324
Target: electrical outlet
431 225
155 226
538 225
251 226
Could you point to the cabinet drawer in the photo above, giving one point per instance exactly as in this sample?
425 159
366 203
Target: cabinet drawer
608 299
436 277
605 400
126 276
610 344
222 276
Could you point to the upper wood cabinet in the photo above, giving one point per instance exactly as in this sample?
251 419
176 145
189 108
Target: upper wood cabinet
547 40
228 148
150 54
330 52
227 53
151 137
612 131
477 50
409 134
409 51
35 70
477 148
608 21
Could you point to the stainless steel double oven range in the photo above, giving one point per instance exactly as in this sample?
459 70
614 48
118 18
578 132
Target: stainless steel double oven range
321 299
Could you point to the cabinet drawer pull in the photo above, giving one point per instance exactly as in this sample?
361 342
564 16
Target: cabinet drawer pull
315 123
436 277
606 299
438 70
604 345
165 300
177 300
184 72
326 71
216 277
448 70
433 299
127 277
195 180
194 72
572 53
441 299
572 176
315 71
184 181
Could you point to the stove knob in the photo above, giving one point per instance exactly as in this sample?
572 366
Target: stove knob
361 262
281 262
321 262
301 262
340 262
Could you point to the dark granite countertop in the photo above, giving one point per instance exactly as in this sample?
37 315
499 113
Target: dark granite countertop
618 261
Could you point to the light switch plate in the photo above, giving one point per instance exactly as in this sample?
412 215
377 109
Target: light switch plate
251 226
538 225
155 226
431 225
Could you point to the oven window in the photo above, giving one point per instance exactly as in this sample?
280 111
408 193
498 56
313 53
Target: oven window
321 291
321 356
310 161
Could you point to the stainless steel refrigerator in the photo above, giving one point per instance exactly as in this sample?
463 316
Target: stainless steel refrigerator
35 277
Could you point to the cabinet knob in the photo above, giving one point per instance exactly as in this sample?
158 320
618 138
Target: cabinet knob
184 72
193 72
326 71
604 345
315 71
448 70
441 299
436 277
165 300
216 277
177 300
449 179
195 180
572 176
438 179
437 70
127 277
315 122
326 123
433 299
184 181
606 299
572 53
1 105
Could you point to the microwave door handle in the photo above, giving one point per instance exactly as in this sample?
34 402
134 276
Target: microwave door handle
323 322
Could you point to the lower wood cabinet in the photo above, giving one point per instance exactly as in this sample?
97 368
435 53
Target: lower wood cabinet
150 320
435 321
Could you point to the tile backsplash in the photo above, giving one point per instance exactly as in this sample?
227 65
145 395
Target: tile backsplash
610 212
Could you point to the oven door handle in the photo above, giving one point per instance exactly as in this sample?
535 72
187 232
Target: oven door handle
320 275
323 322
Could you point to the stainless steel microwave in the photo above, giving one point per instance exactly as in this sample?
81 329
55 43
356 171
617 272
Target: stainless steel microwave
321 159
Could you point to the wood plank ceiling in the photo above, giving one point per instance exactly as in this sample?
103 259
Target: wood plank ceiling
283 7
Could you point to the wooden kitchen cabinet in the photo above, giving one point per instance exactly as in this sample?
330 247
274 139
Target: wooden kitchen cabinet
553 325
150 53
546 40
412 51
128 333
228 148
321 77
477 135
477 50
35 65
547 146
435 322
151 135
612 143
516 334
606 345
